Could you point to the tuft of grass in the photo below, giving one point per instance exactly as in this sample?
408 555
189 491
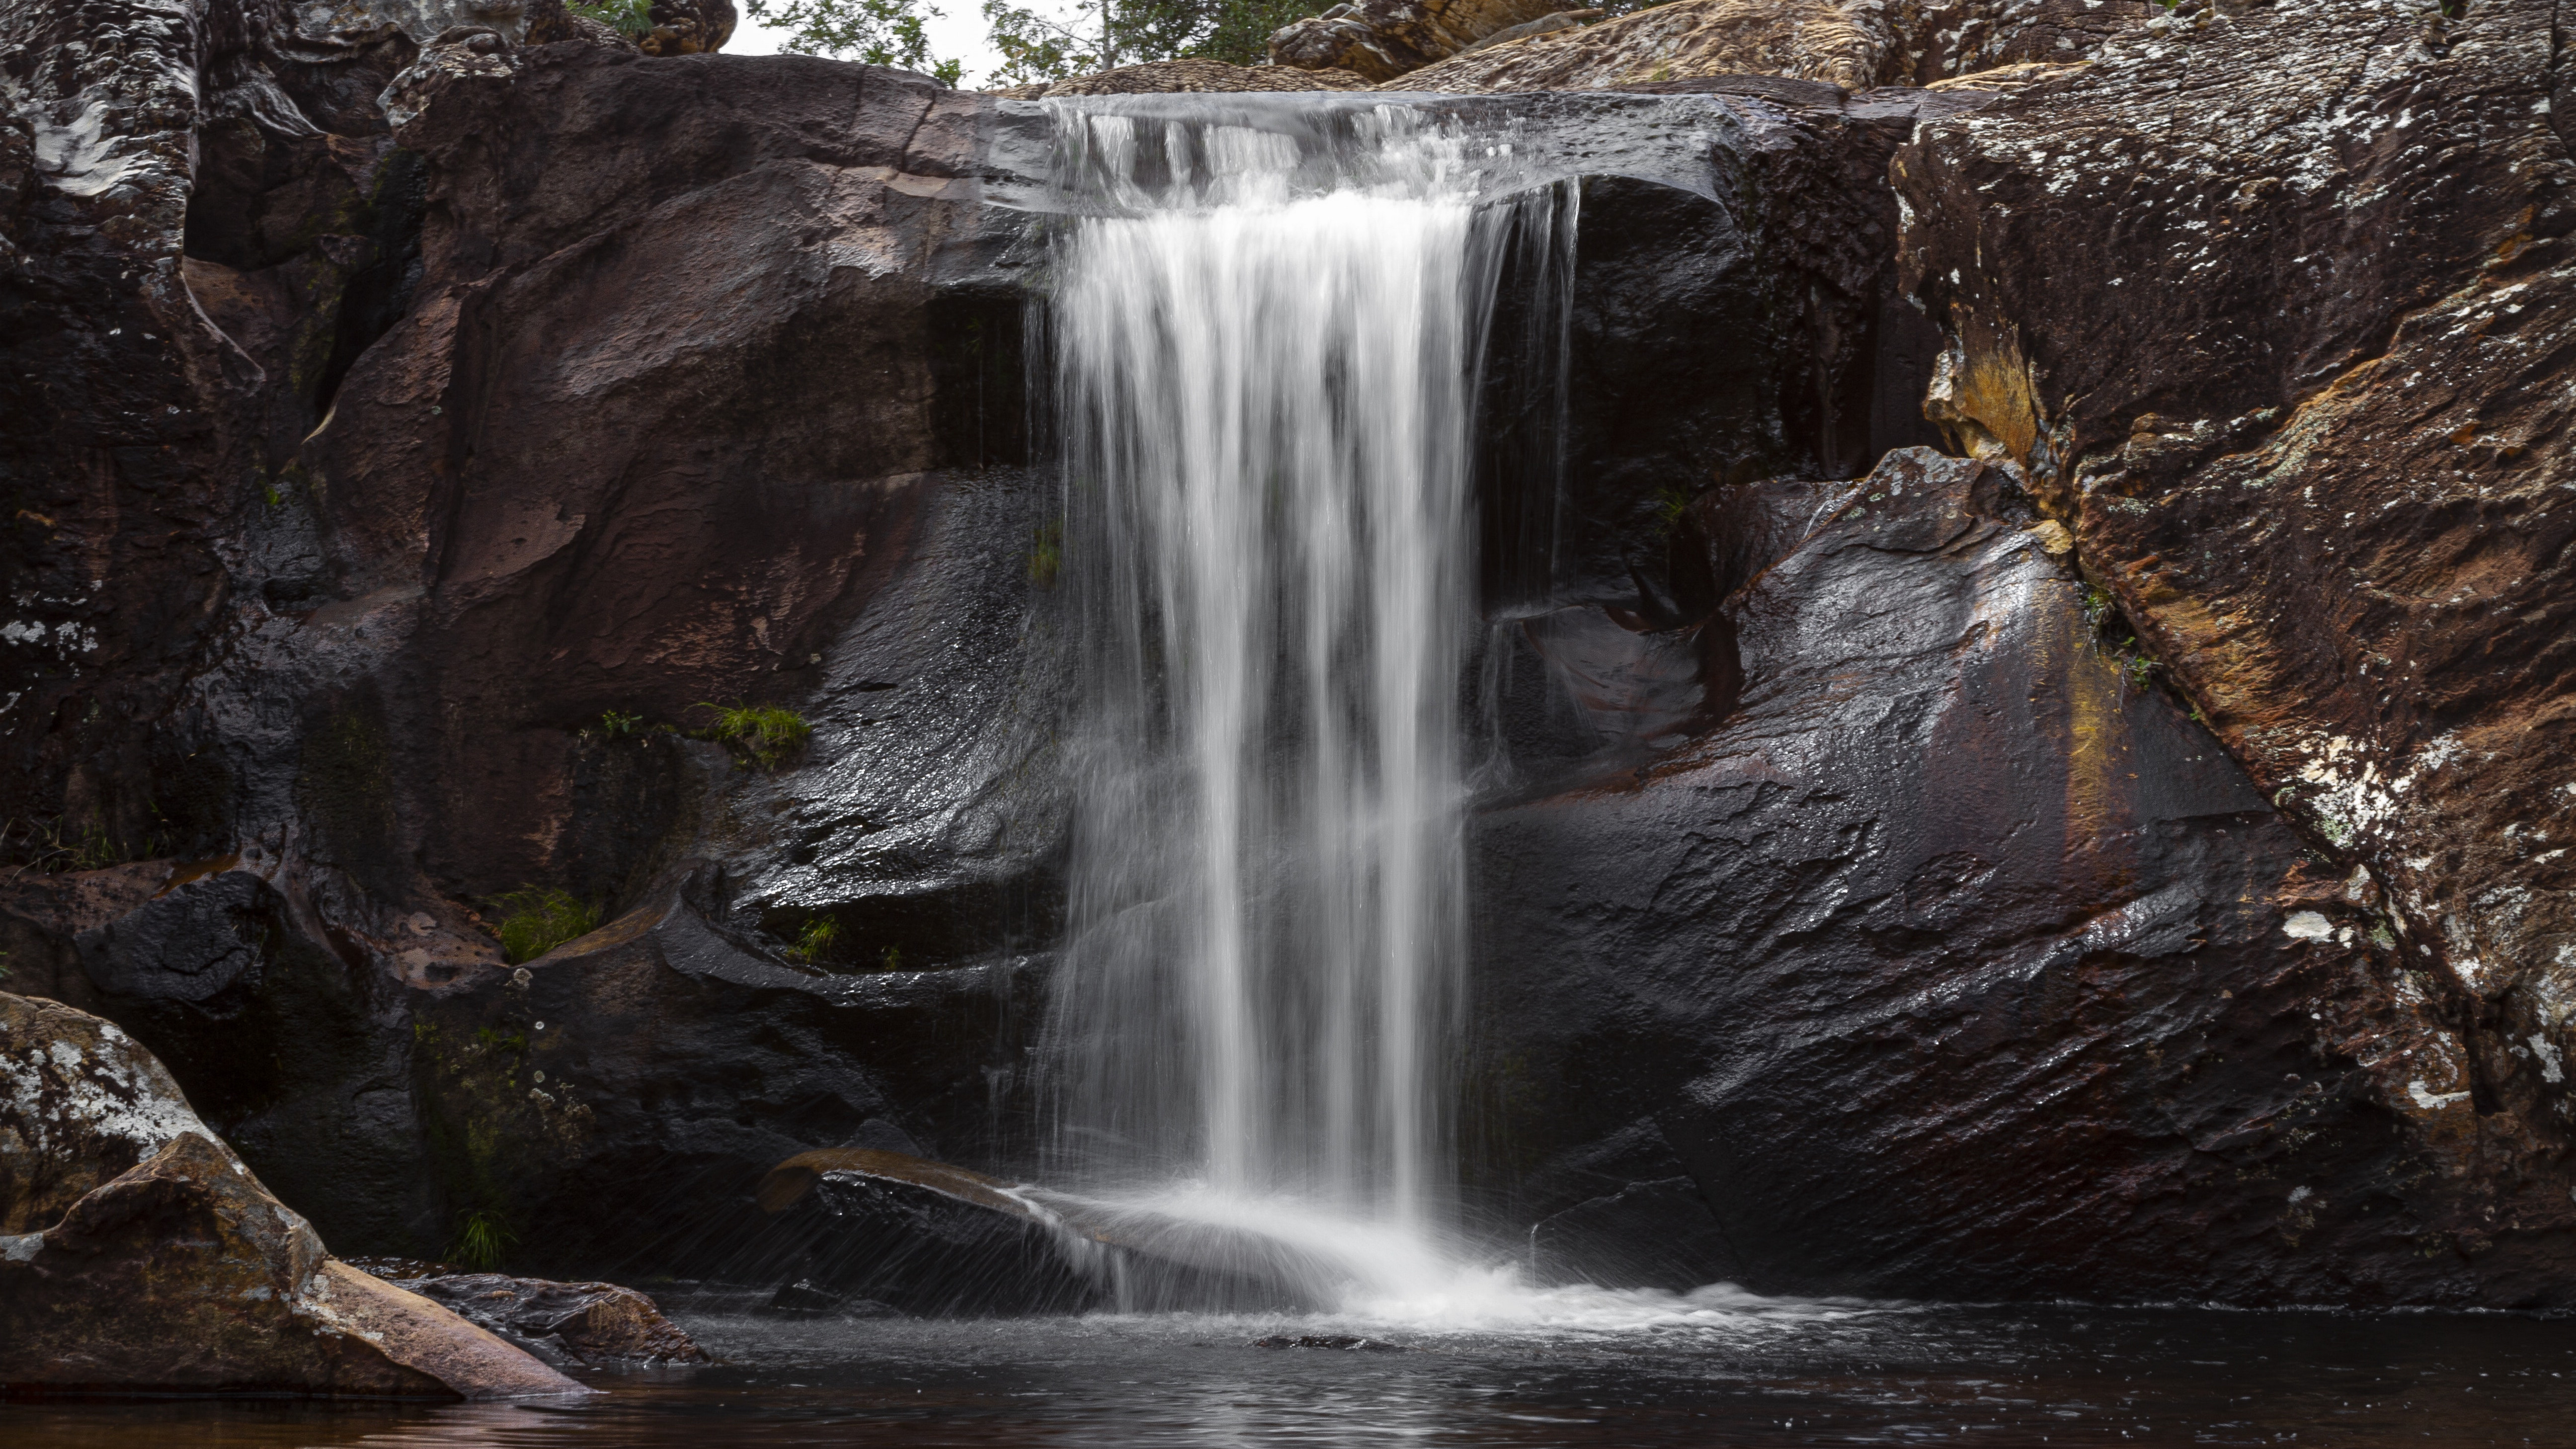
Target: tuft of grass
767 733
1671 502
483 1240
817 942
60 845
533 921
627 17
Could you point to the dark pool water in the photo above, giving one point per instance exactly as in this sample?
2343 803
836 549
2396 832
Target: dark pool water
1680 1372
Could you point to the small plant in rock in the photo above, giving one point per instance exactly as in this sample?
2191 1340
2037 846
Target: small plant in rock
626 17
767 733
893 958
483 1240
534 920
1671 502
619 726
817 942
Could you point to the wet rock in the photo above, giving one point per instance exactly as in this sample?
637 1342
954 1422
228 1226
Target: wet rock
1199 76
1852 44
1382 39
141 1255
668 1049
1328 1340
1959 960
590 1324
2292 408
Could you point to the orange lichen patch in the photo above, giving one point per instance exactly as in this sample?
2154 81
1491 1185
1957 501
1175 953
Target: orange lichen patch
1982 394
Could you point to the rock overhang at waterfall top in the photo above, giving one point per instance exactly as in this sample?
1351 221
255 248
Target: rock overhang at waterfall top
669 380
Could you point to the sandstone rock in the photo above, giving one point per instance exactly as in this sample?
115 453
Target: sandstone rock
83 1104
591 1324
141 1255
1382 39
550 22
1544 25
1201 76
687 27
1956 956
1854 44
2295 404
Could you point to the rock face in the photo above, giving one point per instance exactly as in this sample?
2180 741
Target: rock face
1961 960
1855 44
2295 406
178 1272
1382 39
1201 77
394 490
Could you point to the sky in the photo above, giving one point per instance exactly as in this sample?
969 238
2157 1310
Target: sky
956 32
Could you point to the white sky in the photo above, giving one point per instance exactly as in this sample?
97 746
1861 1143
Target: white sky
958 31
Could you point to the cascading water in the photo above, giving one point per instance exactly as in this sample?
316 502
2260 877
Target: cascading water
1266 335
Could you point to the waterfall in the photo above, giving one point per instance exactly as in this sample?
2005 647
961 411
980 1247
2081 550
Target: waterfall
1265 329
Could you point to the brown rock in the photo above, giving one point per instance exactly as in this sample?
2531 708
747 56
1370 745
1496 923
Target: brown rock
1855 44
584 1323
1383 39
80 1103
137 1252
2283 358
1205 76
687 27
183 1274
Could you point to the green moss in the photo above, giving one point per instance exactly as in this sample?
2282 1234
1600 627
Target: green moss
767 734
1046 554
534 920
818 941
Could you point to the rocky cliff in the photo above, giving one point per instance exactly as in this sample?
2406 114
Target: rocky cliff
2111 850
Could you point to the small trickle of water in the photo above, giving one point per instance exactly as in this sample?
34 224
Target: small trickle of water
1265 339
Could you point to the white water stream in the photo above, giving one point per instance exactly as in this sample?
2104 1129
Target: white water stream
1265 340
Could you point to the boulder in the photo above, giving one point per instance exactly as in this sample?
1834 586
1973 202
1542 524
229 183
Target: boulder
588 1324
1382 39
2281 361
1854 44
178 1272
1957 958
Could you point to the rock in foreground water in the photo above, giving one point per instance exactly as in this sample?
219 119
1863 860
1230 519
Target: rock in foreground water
581 1323
181 1273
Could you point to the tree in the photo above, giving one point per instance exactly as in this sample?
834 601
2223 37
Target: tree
880 32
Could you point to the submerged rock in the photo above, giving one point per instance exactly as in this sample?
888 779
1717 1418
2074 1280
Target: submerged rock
579 1323
180 1273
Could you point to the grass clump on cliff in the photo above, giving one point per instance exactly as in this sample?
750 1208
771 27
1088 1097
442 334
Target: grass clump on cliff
533 921
483 1240
818 941
767 733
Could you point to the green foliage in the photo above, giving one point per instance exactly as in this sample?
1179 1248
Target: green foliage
1671 502
626 17
619 725
534 921
767 733
817 941
483 1240
880 32
893 958
1034 48
61 844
